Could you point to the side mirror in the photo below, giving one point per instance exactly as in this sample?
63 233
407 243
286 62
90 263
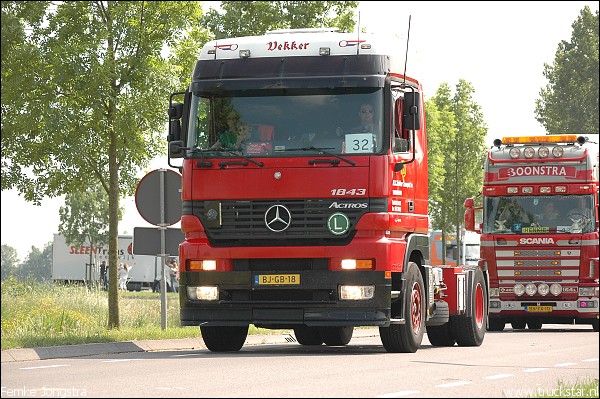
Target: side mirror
412 115
469 203
175 112
472 215
176 149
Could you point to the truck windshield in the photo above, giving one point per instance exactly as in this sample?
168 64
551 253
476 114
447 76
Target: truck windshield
286 123
539 214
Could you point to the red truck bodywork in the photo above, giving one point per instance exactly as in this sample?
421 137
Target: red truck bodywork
542 266
281 233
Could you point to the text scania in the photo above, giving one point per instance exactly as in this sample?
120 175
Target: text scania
337 205
545 240
272 46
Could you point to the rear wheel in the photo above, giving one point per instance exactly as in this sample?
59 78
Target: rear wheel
224 339
496 324
308 335
595 325
336 336
440 335
470 330
407 337
518 324
534 324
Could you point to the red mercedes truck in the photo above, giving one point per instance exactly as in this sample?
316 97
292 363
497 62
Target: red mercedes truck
303 156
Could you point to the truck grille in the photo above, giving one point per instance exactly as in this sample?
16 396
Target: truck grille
243 221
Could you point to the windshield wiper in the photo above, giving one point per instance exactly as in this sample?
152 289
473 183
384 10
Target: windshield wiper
322 150
232 151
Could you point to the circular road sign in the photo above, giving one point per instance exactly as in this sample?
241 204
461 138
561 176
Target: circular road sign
148 197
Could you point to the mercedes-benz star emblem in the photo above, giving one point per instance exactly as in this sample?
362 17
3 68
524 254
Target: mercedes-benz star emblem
278 218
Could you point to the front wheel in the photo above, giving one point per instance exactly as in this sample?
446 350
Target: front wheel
308 336
534 324
336 336
224 339
407 337
496 324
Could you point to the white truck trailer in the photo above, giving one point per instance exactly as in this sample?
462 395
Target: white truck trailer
72 263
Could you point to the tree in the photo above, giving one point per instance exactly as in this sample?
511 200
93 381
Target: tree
456 139
246 18
84 219
569 102
93 106
10 261
37 265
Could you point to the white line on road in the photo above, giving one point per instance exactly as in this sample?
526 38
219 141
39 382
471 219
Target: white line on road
44 367
564 364
454 384
498 376
535 369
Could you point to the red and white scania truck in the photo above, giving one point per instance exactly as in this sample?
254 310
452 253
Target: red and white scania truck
539 231
309 223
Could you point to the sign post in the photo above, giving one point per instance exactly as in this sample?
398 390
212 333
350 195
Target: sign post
164 185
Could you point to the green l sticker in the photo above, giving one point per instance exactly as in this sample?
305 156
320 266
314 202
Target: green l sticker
338 224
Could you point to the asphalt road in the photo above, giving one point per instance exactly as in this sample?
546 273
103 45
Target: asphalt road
507 364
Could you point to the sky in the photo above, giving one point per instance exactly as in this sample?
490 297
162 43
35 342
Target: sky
500 47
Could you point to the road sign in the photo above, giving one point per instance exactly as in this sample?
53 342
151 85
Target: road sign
157 194
146 241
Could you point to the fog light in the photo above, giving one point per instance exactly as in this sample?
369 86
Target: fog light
519 289
530 289
357 292
203 293
556 289
543 289
348 264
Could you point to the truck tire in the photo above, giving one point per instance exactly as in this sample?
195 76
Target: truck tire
595 325
469 330
308 336
407 337
441 335
518 324
534 324
224 338
336 336
496 324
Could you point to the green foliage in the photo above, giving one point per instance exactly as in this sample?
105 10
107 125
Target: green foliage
37 266
456 141
247 18
91 109
569 102
10 261
46 314
84 218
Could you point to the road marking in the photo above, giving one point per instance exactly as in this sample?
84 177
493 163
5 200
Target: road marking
454 384
535 369
498 376
595 359
44 367
120 360
564 364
